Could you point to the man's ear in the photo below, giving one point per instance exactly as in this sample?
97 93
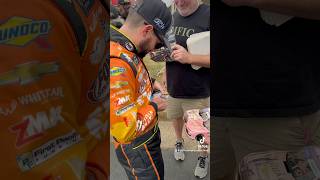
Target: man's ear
147 29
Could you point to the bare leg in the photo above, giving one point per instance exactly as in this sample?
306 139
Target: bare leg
179 150
178 127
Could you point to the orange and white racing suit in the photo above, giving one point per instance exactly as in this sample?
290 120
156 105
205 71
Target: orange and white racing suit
53 90
131 111
133 116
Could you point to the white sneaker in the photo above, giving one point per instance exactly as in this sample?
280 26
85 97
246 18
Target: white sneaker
202 167
179 150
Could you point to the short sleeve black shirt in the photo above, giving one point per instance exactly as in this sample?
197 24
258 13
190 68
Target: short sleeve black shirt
182 80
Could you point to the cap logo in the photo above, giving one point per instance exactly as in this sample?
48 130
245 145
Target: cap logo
159 23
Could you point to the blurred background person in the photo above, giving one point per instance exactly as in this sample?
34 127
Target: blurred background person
116 19
123 6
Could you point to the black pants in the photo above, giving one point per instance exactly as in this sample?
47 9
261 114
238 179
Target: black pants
142 159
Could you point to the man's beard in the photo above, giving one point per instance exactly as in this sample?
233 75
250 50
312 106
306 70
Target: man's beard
143 48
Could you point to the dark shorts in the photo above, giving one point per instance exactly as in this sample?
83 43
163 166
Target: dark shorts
142 159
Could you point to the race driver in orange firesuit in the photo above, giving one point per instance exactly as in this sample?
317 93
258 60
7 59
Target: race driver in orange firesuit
134 123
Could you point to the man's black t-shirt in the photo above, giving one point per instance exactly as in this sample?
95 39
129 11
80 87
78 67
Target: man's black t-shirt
264 70
182 80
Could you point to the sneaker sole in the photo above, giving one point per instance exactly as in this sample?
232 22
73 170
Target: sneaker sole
179 158
203 176
200 177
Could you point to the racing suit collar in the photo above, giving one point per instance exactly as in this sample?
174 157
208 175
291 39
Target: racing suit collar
122 39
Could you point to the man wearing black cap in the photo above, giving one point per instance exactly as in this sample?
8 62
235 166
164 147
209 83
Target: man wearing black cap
133 114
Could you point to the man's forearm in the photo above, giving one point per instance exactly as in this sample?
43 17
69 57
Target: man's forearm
301 8
201 60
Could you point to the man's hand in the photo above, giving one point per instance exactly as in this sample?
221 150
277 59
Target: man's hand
162 103
180 54
157 85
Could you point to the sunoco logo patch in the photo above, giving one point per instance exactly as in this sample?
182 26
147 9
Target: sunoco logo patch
116 71
19 31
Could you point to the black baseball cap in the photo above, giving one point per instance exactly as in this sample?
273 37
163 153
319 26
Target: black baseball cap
156 13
